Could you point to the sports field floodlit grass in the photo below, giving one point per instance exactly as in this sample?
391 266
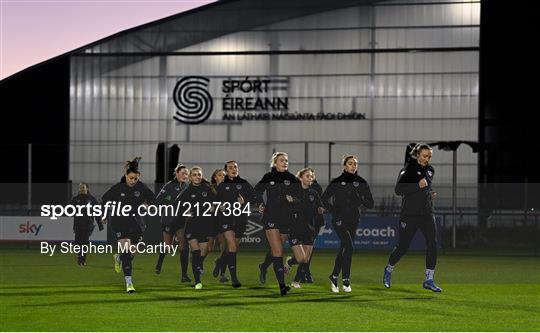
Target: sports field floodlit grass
481 293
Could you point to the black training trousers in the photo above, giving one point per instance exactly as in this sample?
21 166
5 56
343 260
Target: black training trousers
407 229
346 231
82 237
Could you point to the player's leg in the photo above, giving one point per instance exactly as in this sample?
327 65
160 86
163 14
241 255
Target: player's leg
276 247
230 257
348 249
184 254
407 229
263 267
210 245
306 274
301 258
222 261
78 241
85 241
306 238
126 259
297 250
195 260
343 235
167 240
203 244
219 260
429 230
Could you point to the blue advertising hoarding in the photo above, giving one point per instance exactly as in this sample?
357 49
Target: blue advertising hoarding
373 233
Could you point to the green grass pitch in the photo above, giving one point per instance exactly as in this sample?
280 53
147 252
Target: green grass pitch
481 293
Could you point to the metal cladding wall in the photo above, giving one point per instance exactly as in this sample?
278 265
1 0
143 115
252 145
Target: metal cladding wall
411 68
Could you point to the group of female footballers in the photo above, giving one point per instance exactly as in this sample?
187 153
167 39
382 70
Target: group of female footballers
292 208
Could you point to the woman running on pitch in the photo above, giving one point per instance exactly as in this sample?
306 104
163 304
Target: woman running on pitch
173 226
235 195
318 223
83 226
128 229
282 191
414 186
217 178
303 225
343 198
196 203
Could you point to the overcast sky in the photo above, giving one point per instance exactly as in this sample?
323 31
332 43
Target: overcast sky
32 31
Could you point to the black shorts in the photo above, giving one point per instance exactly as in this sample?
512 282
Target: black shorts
226 225
240 228
196 229
342 227
301 238
236 224
213 226
134 234
283 228
173 227
213 231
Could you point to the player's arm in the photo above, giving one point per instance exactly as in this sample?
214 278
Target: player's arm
328 196
110 195
366 197
160 197
259 189
248 193
148 195
94 202
296 192
407 182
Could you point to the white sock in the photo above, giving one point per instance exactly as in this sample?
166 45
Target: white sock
429 274
389 268
128 279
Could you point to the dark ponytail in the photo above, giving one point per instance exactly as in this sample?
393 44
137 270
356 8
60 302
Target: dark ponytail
132 166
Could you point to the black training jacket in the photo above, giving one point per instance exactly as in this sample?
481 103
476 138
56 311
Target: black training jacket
135 196
305 211
349 192
167 196
277 186
416 201
85 222
229 190
200 194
